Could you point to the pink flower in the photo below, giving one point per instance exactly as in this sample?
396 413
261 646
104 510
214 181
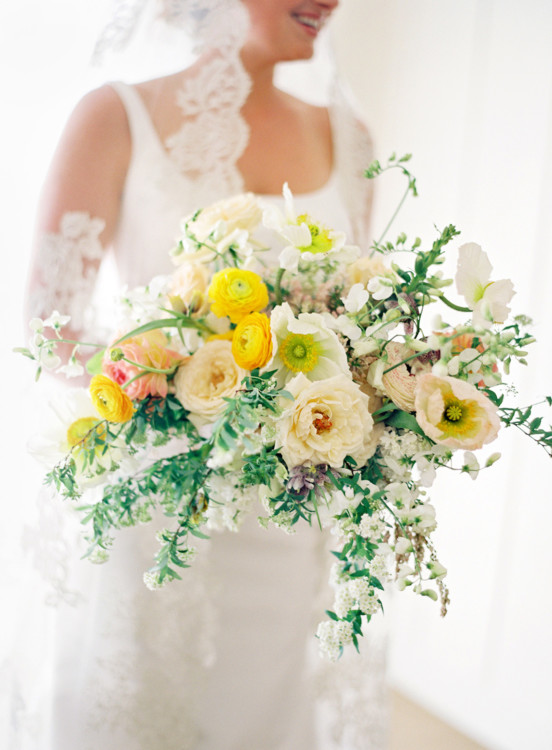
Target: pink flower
148 350
455 413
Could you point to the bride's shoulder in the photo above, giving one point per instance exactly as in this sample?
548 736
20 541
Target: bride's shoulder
101 108
97 126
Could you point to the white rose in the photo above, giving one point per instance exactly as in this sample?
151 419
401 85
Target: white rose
328 420
207 378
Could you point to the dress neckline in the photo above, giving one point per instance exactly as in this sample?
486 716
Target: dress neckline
156 139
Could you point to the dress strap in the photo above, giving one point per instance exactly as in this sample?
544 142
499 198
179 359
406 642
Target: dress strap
142 130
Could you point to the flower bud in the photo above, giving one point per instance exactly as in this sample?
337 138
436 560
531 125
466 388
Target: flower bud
116 354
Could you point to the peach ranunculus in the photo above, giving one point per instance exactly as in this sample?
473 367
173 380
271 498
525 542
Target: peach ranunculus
207 378
147 350
327 421
399 384
188 288
455 413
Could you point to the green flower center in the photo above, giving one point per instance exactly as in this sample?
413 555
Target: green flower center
240 288
299 352
320 237
460 418
453 412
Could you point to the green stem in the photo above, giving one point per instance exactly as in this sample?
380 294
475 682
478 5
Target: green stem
453 306
277 286
145 368
392 219
181 322
75 343
404 361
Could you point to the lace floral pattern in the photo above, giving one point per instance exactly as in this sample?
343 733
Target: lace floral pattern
214 134
66 269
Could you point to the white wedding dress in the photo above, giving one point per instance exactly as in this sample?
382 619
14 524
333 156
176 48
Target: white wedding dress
226 659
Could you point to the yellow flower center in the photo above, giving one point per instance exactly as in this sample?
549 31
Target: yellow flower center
320 237
82 428
299 352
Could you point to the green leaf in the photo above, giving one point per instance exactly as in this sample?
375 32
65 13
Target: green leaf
94 364
402 420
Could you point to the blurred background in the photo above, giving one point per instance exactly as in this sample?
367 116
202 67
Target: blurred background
467 88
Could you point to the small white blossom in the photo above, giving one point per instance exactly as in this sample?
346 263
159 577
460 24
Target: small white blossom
348 327
151 579
380 287
356 298
36 325
471 464
56 320
403 546
72 369
333 636
436 569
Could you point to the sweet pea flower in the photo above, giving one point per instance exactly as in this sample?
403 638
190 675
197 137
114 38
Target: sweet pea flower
487 299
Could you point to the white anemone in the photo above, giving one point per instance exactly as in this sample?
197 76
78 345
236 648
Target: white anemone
304 344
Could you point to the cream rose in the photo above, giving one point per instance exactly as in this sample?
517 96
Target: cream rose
222 224
365 268
328 420
207 378
239 212
188 285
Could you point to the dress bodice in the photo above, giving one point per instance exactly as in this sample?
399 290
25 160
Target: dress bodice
158 196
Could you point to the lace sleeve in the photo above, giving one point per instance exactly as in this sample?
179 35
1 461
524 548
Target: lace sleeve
353 153
65 269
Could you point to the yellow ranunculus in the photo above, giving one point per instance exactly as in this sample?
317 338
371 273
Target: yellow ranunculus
110 400
236 293
252 342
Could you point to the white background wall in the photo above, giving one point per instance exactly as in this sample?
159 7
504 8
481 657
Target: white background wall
467 87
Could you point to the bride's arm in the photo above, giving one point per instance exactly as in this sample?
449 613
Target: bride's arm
79 208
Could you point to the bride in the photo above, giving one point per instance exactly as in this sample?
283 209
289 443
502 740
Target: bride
225 659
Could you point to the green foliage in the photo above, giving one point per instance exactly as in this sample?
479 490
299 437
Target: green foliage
523 418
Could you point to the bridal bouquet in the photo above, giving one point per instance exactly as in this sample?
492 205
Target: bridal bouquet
316 387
